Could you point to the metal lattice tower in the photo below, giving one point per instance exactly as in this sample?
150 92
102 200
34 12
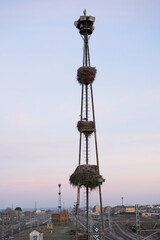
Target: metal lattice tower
138 229
87 127
109 221
59 198
2 227
122 201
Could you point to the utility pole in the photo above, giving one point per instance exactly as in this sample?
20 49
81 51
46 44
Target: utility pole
30 217
35 206
12 223
138 230
35 214
59 198
19 223
2 226
122 200
109 221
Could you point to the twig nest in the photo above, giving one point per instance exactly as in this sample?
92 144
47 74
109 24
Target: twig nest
86 75
86 127
86 175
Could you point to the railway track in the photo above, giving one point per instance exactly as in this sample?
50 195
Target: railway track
117 232
19 227
121 233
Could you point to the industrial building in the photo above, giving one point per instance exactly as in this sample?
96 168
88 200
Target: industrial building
60 218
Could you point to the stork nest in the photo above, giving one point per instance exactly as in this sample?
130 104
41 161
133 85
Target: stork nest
86 75
87 127
86 175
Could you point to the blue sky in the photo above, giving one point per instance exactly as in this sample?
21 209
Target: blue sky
40 52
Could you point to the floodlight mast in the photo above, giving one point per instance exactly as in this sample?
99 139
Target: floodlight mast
85 26
59 198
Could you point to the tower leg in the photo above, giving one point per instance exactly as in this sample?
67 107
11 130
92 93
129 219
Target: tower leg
87 211
77 210
102 220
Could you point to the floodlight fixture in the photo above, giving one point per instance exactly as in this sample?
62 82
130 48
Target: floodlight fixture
85 24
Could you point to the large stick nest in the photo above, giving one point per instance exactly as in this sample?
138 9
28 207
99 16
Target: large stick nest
86 127
86 75
86 175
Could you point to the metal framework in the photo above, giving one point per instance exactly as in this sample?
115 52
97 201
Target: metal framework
59 198
138 229
85 26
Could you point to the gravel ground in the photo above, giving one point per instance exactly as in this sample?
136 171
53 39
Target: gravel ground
58 233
